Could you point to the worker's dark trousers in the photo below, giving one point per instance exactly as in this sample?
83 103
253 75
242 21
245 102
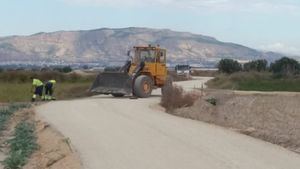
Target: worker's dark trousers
38 92
48 91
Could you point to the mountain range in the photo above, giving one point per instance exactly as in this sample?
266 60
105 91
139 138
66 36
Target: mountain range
106 45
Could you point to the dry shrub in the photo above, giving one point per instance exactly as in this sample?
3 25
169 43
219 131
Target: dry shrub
175 97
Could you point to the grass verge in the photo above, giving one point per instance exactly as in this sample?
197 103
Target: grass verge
15 86
7 111
22 145
255 81
24 133
20 92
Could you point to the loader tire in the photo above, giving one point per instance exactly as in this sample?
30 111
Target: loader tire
143 86
117 95
167 86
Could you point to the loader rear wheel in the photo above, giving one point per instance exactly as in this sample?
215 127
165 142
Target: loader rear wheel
143 86
117 95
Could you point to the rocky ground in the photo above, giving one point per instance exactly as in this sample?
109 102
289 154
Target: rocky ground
274 117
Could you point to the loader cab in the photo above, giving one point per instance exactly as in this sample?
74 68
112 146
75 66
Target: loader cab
154 59
147 55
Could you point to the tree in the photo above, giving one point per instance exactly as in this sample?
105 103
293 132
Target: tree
285 66
229 66
256 65
85 67
66 69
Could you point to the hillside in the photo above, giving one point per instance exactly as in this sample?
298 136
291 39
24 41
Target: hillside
105 45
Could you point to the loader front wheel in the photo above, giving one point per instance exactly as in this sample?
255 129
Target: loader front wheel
143 86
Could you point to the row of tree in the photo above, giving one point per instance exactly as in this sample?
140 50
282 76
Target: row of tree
284 66
65 69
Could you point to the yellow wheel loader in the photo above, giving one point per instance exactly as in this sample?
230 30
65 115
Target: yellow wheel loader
145 71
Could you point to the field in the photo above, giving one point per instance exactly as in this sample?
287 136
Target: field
255 81
16 92
16 86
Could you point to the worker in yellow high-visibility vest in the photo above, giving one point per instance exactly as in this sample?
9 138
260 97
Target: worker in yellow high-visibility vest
49 89
37 88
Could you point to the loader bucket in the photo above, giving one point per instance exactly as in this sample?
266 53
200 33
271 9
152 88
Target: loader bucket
112 83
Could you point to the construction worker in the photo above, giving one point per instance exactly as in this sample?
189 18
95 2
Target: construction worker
49 89
37 88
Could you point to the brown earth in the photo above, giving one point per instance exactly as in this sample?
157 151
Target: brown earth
55 151
273 117
25 114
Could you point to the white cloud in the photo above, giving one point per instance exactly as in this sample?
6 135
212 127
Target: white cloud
223 5
282 48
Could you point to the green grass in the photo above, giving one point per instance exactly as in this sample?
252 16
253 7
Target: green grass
4 116
15 92
254 81
15 86
20 92
22 145
271 85
7 111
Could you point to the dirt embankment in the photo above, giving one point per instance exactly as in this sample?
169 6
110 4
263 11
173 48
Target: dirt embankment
55 151
272 117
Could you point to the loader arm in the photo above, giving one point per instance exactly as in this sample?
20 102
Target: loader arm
145 71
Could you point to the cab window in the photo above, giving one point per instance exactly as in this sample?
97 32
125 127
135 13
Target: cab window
162 56
148 55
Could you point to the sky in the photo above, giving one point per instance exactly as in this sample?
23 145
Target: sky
272 25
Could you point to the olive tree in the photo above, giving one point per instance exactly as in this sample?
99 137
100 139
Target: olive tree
285 66
256 65
229 66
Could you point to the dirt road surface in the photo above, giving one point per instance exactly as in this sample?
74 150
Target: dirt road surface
111 133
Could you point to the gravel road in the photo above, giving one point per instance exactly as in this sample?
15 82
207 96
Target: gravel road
112 133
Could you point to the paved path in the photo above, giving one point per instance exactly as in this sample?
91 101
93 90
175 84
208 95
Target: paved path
112 133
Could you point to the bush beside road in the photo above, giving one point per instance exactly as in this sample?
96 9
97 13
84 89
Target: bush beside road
255 81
